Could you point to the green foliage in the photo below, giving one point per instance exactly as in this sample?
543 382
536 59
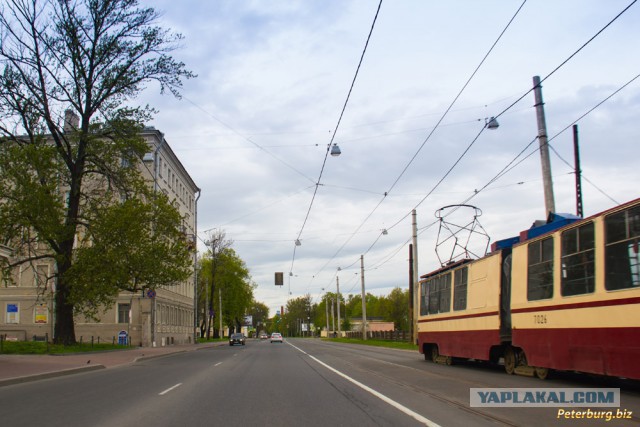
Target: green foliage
131 246
392 308
232 279
377 343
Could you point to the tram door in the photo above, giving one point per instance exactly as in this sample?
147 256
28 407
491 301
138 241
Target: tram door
505 296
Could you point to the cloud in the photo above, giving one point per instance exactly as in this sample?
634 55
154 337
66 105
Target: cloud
254 127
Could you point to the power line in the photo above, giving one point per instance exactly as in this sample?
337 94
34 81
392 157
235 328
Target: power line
438 123
315 192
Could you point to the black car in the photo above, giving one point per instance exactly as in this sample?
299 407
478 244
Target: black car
236 339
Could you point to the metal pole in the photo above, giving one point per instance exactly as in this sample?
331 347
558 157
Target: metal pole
206 307
220 308
549 202
338 298
333 317
414 225
411 291
364 300
576 155
326 311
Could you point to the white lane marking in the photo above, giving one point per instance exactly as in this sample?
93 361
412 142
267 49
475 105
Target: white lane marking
218 364
169 389
379 395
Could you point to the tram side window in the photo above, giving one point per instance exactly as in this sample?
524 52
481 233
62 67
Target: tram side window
540 270
460 289
578 261
439 294
424 308
622 257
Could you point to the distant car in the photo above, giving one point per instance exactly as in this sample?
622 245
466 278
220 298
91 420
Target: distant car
236 339
263 336
276 337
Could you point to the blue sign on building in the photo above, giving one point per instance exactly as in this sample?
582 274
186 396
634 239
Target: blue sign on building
122 338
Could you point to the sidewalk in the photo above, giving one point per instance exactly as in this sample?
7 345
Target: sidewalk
18 368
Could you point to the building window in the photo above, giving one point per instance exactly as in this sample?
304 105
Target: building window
123 313
460 288
540 270
41 276
622 256
578 261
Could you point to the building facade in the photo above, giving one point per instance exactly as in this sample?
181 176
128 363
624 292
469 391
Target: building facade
159 317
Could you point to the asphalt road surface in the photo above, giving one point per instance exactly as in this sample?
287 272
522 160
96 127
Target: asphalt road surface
302 382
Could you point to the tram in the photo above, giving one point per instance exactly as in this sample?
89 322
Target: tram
564 295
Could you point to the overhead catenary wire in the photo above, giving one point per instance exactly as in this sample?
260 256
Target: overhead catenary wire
435 127
517 160
335 131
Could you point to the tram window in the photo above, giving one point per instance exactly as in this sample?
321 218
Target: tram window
460 289
423 299
439 294
578 261
540 270
622 256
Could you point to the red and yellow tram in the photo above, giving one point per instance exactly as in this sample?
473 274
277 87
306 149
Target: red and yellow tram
564 296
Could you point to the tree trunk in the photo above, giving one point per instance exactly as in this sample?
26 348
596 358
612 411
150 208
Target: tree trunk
64 331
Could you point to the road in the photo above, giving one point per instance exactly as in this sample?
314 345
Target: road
302 382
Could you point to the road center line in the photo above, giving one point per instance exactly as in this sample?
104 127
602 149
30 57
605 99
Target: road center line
377 394
169 389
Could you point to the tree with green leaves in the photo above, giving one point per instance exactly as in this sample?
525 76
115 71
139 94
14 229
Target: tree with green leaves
69 143
237 288
397 308
135 245
297 311
260 314
224 277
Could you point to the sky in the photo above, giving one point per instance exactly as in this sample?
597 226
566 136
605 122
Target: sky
277 85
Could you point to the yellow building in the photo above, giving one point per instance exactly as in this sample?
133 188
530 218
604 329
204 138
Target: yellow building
155 318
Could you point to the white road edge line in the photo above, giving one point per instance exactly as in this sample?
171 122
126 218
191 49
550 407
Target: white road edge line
218 364
379 395
169 389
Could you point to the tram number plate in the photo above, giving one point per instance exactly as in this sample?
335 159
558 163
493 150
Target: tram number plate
540 319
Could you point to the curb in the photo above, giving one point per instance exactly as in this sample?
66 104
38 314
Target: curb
53 374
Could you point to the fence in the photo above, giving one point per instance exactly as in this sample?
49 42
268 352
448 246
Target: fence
381 335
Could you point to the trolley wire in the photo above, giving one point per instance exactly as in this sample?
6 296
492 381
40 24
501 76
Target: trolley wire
324 162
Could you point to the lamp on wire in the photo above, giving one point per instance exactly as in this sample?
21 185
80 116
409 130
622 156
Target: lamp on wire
298 243
335 150
491 123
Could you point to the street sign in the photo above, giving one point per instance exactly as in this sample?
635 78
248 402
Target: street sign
151 293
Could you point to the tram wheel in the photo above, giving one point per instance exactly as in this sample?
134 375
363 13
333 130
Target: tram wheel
509 360
434 353
542 373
